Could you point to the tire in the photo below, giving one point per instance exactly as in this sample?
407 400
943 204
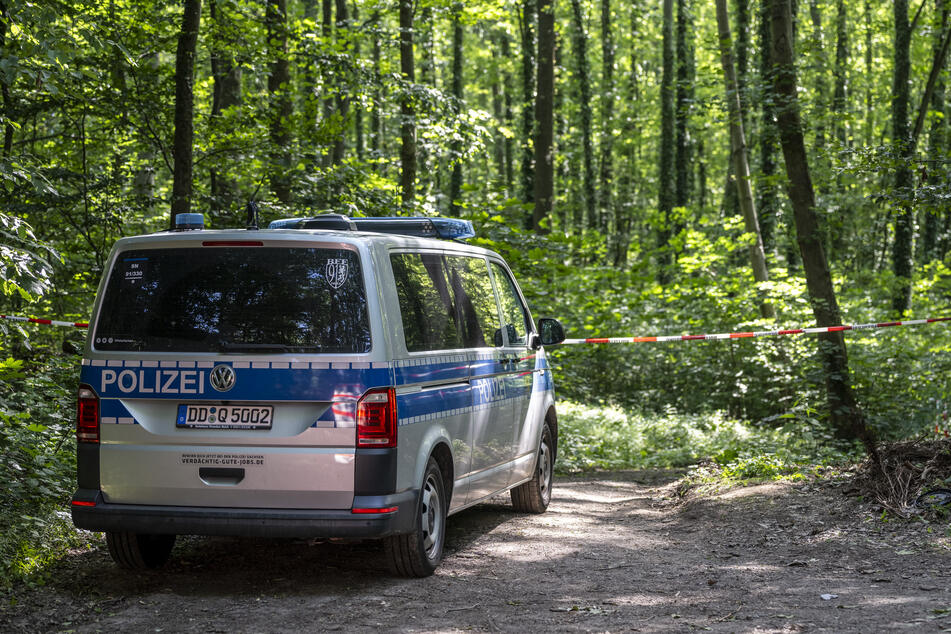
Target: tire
138 551
418 553
534 495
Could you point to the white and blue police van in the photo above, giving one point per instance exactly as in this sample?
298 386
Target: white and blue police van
324 377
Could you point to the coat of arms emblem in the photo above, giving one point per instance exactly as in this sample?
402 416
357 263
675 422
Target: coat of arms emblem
336 272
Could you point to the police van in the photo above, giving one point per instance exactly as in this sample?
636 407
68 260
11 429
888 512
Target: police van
324 377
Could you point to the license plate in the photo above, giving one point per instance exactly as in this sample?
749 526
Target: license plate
225 416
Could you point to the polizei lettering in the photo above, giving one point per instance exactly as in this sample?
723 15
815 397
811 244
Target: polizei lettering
154 381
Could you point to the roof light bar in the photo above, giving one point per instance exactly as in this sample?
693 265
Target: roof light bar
418 226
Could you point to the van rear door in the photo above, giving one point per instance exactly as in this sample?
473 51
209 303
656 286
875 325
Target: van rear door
228 375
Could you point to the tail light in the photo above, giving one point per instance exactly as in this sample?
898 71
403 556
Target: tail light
376 419
87 415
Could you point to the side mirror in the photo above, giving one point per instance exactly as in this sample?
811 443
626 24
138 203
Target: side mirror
551 331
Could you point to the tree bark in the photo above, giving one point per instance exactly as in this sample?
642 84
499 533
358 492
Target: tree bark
184 100
342 99
527 18
937 136
767 202
741 165
589 217
509 90
226 93
846 416
359 136
8 127
375 116
902 248
455 180
278 84
608 222
840 70
407 109
544 118
685 96
665 197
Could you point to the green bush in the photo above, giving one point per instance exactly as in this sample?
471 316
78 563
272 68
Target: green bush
614 438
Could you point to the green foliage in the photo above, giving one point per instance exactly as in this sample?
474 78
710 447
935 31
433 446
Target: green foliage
614 438
37 447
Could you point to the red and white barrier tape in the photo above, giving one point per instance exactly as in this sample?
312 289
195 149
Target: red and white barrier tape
762 333
46 322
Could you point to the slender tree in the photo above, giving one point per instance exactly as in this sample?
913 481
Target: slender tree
544 118
608 104
455 182
278 87
8 116
767 202
527 19
741 164
580 36
685 97
903 246
184 100
226 93
343 99
407 109
937 135
840 73
665 198
846 416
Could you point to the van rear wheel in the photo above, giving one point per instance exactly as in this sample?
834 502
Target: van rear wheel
418 553
534 495
139 551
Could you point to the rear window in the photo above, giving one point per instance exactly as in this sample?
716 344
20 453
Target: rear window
241 300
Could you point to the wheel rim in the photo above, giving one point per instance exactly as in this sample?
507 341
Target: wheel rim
430 519
544 469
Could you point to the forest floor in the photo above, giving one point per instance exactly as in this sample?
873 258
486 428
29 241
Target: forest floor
615 552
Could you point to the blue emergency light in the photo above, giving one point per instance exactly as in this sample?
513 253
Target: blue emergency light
418 226
189 222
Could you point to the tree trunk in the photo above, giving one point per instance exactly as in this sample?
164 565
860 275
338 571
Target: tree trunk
589 219
839 93
937 136
608 223
455 181
846 417
326 32
666 175
743 57
509 90
767 202
359 137
527 19
343 100
278 84
375 116
819 70
741 164
629 177
544 118
902 248
407 109
226 93
685 96
498 109
8 127
184 99
869 122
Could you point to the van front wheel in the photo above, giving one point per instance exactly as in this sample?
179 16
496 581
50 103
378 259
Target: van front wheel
418 553
138 551
534 495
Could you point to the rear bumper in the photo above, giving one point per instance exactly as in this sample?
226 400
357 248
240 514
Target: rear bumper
192 520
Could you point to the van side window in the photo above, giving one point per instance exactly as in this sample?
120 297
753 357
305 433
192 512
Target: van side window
513 312
427 305
476 300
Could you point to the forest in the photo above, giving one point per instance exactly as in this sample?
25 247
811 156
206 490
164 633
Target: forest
646 168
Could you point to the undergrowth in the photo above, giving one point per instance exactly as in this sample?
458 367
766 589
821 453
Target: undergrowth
714 445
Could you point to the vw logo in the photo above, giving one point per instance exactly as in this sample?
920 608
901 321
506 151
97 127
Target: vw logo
222 378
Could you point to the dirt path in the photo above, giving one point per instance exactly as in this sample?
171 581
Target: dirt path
613 553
